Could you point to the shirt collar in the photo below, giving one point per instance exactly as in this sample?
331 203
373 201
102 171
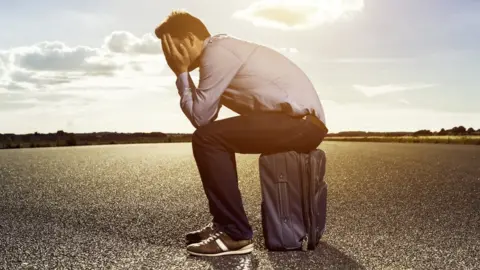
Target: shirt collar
206 41
210 39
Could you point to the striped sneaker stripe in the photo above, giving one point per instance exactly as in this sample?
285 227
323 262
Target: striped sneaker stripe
221 244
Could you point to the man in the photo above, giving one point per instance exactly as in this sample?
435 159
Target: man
279 110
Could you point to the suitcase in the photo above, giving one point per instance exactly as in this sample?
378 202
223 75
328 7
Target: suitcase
294 199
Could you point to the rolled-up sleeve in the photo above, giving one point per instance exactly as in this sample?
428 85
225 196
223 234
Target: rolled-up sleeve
218 66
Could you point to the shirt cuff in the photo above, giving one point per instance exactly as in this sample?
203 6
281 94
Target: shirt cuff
182 83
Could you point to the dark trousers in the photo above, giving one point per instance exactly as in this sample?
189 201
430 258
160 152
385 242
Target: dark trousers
214 147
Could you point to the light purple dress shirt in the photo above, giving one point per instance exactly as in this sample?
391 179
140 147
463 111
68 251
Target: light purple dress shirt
246 78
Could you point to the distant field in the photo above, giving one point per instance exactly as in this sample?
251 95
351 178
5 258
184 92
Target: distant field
80 139
412 139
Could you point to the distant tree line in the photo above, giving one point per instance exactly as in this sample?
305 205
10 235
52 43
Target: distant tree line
455 131
461 130
61 138
367 134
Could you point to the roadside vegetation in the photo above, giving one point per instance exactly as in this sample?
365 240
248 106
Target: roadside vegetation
61 138
456 135
475 139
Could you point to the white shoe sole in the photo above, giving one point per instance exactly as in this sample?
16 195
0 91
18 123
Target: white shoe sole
246 249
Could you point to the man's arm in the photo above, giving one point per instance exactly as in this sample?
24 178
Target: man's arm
201 105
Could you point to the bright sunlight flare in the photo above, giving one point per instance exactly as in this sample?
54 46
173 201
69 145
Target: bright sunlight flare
298 14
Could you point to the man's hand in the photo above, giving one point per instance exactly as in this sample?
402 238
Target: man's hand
178 60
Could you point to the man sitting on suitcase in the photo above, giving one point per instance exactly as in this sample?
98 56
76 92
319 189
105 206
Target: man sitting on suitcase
279 110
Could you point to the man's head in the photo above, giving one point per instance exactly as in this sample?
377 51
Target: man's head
187 30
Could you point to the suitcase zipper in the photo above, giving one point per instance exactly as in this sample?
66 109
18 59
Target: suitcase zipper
305 199
312 174
282 186
311 218
284 212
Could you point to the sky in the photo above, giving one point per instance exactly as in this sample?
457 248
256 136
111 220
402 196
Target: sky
377 65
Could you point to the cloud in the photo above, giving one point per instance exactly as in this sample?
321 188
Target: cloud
52 56
371 91
125 42
49 63
298 14
3 69
404 101
58 78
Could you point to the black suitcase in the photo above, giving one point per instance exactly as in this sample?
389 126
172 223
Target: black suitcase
294 199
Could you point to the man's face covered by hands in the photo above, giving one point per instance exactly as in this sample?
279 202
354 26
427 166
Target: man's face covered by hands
182 54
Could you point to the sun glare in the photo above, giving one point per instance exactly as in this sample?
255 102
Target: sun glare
298 14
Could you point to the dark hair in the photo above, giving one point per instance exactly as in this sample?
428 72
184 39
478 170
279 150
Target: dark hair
179 23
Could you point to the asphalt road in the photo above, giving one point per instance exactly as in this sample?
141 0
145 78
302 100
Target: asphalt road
390 206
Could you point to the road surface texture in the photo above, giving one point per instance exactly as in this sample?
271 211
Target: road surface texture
390 206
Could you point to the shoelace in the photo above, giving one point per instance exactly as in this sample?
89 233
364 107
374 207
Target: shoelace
211 238
210 225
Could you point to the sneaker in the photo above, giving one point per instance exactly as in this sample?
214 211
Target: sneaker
199 235
220 244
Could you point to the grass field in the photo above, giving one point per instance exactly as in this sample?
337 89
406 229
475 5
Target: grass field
475 139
